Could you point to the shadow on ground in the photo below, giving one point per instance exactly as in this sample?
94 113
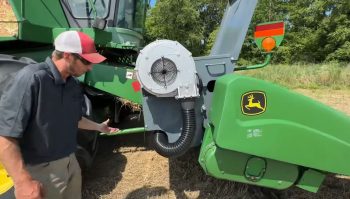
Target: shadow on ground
108 166
147 192
101 179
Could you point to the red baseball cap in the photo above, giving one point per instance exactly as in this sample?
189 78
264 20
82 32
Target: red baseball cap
80 43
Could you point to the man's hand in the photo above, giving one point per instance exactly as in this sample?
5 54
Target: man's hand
29 189
104 128
11 158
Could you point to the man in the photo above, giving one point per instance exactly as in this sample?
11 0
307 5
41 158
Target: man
40 115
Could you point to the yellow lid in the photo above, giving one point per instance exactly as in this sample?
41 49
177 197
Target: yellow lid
5 180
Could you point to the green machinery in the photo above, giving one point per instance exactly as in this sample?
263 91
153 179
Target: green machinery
249 130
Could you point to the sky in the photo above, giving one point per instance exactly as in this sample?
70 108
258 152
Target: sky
153 2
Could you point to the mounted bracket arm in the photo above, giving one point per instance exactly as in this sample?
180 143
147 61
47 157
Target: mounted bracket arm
267 61
268 36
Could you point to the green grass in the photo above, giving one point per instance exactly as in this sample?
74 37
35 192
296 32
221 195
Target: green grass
307 76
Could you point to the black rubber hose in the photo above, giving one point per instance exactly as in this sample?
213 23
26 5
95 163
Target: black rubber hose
181 146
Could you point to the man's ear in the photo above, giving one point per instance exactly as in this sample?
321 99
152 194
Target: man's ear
68 57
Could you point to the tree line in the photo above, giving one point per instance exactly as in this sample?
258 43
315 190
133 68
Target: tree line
316 30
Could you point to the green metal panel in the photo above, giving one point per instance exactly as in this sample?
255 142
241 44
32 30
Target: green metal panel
34 33
37 54
99 36
46 13
311 180
37 18
40 12
113 80
232 165
255 168
126 131
41 21
278 40
7 38
287 126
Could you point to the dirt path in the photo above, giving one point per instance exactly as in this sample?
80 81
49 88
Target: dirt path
338 99
124 168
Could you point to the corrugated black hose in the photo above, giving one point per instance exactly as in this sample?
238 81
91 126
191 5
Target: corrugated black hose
181 146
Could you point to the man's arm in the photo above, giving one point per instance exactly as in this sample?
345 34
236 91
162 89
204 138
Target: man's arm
11 158
103 127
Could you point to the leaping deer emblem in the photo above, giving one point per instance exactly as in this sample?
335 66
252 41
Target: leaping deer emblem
252 104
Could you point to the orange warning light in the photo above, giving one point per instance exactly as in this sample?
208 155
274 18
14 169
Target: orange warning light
268 44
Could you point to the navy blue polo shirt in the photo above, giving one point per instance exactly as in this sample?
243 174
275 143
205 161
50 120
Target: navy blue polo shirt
42 111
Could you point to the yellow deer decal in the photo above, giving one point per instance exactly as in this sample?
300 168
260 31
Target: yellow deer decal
253 104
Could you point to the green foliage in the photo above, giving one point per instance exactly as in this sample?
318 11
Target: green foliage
341 54
211 40
188 22
316 30
176 20
211 12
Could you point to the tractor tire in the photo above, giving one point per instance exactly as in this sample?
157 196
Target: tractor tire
87 141
84 158
86 149
9 66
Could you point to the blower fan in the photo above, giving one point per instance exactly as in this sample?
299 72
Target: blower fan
166 69
164 72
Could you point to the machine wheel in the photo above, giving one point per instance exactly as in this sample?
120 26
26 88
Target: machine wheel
87 141
9 66
86 149
84 158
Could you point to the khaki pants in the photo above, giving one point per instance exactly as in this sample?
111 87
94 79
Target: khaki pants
61 178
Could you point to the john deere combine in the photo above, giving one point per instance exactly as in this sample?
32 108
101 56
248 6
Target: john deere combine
250 131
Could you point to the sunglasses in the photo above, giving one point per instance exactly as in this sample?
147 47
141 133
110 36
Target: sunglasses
84 61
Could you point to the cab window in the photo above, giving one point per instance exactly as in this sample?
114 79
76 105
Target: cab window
83 9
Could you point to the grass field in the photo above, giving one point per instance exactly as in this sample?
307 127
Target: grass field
306 76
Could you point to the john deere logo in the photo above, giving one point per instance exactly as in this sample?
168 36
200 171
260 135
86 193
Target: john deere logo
253 103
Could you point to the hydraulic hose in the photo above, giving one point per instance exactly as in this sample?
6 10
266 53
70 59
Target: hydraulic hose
178 148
